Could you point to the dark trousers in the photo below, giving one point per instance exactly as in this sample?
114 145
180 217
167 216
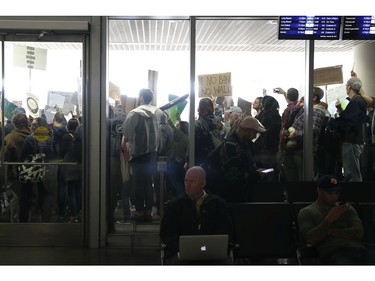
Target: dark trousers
62 195
293 165
75 197
44 201
351 256
144 167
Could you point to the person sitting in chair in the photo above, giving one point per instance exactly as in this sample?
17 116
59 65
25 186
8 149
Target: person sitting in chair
334 228
194 212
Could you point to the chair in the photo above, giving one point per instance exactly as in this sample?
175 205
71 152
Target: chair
264 233
366 212
268 191
301 191
357 192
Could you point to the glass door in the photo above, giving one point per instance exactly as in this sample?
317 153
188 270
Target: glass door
41 143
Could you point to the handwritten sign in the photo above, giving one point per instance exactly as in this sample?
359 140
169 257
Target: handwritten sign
215 85
63 100
335 93
328 75
56 100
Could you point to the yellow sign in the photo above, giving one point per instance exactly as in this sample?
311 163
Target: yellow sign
215 85
41 134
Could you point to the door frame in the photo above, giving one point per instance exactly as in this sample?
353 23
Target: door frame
91 233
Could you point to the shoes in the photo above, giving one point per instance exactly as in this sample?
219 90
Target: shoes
124 221
147 216
155 216
141 216
73 220
137 216
61 219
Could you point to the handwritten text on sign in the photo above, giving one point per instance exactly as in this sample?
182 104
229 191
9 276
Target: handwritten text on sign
215 85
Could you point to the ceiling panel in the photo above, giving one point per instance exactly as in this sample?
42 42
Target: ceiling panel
211 35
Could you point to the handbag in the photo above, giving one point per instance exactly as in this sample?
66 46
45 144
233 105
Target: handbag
33 173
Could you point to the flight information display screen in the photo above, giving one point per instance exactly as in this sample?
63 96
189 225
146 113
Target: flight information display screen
358 28
309 27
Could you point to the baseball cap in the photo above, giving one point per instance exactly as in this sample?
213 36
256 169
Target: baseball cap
235 109
18 110
250 122
328 183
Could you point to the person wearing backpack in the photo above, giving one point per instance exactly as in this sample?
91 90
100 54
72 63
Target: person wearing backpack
38 146
141 131
207 134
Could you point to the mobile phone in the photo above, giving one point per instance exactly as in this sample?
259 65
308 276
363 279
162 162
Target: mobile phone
267 170
276 90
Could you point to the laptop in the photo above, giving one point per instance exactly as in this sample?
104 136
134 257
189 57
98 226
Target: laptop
203 247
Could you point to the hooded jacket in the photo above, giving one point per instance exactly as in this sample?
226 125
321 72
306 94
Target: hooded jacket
141 128
58 133
13 143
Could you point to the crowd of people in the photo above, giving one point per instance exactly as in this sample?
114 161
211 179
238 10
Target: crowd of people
235 148
233 151
268 140
30 187
334 228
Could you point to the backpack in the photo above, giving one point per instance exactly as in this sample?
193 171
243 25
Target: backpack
215 138
215 180
213 135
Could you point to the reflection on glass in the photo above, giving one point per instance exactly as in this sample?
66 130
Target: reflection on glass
42 109
156 58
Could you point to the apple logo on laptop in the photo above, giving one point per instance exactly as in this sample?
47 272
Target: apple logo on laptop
203 248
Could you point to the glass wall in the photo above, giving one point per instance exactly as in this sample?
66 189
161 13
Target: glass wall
235 61
42 107
143 53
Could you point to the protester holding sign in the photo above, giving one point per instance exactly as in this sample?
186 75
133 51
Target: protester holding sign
351 128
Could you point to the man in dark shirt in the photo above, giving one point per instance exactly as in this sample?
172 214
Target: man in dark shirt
352 130
237 161
194 212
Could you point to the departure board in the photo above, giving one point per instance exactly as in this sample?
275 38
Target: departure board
309 27
359 28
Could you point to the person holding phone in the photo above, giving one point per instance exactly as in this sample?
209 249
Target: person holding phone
334 228
351 127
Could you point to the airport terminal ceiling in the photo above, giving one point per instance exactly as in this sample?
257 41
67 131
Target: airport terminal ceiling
233 34
213 34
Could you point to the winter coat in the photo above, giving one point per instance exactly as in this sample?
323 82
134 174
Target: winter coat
141 128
